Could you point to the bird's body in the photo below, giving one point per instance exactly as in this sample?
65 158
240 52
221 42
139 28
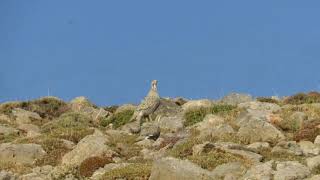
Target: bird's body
149 105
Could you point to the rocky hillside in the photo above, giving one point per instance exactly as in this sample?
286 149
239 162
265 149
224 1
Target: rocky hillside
237 137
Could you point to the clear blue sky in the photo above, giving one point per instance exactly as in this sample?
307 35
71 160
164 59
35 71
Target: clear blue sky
109 51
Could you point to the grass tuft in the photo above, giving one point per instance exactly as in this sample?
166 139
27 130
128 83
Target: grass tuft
118 119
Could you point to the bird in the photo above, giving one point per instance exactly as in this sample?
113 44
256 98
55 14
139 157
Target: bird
148 105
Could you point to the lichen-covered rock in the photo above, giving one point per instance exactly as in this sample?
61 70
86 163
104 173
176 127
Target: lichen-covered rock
308 148
236 98
24 117
255 129
91 145
234 169
6 130
313 162
196 104
260 106
260 172
21 153
288 147
291 170
174 169
171 124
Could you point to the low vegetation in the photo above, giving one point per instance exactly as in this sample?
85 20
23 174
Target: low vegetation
197 115
90 165
118 119
130 172
303 98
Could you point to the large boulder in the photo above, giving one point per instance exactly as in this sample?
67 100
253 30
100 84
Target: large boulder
6 130
260 106
196 104
260 172
91 145
174 169
233 169
287 147
291 170
171 123
236 98
21 153
313 162
256 129
23 117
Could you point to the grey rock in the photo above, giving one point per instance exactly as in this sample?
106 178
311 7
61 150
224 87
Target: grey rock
313 162
24 117
250 156
260 106
291 170
317 140
171 124
174 169
91 145
21 153
150 130
236 98
308 148
260 172
6 130
30 129
233 169
289 147
255 129
196 104
258 146
4 175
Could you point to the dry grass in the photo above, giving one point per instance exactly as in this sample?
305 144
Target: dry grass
303 98
125 145
131 172
90 165
279 156
309 131
118 119
15 168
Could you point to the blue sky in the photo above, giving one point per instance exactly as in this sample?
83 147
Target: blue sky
109 51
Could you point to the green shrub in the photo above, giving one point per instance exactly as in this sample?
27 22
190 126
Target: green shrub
132 171
302 98
70 126
118 119
197 115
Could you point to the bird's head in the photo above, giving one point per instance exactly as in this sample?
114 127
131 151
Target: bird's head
154 84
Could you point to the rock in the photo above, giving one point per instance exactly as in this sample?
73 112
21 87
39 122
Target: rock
254 129
174 169
5 130
313 162
294 122
4 175
260 106
171 124
91 145
168 108
146 143
258 146
38 173
250 156
317 140
180 101
126 107
308 148
5 118
288 147
80 102
24 117
108 167
260 172
213 126
236 98
132 127
154 155
202 148
196 104
234 169
291 170
30 129
21 153
315 177
150 130
68 144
